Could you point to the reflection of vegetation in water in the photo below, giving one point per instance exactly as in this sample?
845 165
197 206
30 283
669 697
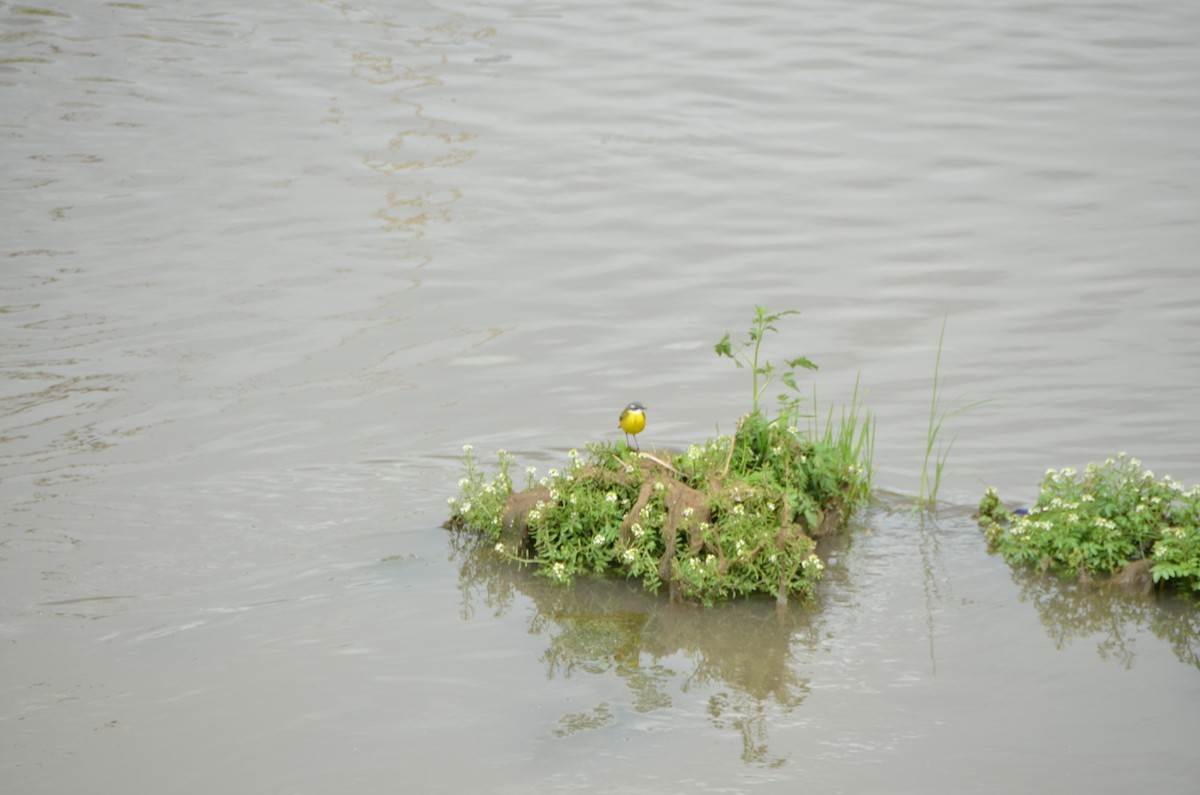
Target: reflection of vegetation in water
935 575
595 642
595 718
479 577
743 652
749 717
1070 611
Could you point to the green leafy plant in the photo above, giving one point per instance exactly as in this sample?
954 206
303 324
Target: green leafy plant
1097 521
852 437
746 354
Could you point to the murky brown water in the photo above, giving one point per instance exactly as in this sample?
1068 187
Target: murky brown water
267 267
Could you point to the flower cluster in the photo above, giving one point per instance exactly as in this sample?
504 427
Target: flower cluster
1100 519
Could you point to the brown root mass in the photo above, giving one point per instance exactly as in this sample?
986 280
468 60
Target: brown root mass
1135 578
514 533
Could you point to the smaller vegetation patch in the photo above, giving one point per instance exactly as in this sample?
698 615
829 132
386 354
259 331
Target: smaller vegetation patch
1111 519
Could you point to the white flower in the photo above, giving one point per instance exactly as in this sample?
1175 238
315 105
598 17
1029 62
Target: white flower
628 469
629 555
553 473
462 483
501 453
771 507
611 496
559 570
466 507
687 512
467 448
531 471
638 532
1088 498
450 501
739 510
573 453
572 499
500 548
599 539
659 485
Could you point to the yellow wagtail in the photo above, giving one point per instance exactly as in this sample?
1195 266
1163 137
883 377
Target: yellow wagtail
633 421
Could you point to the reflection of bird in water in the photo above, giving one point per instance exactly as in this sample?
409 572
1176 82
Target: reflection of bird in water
633 421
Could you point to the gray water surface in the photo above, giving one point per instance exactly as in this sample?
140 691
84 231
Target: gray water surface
267 267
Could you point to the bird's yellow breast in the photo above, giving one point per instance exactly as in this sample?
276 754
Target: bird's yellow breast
632 421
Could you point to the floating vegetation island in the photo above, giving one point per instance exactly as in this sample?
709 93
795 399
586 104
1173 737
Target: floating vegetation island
734 516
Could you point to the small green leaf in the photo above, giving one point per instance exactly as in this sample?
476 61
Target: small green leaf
801 362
